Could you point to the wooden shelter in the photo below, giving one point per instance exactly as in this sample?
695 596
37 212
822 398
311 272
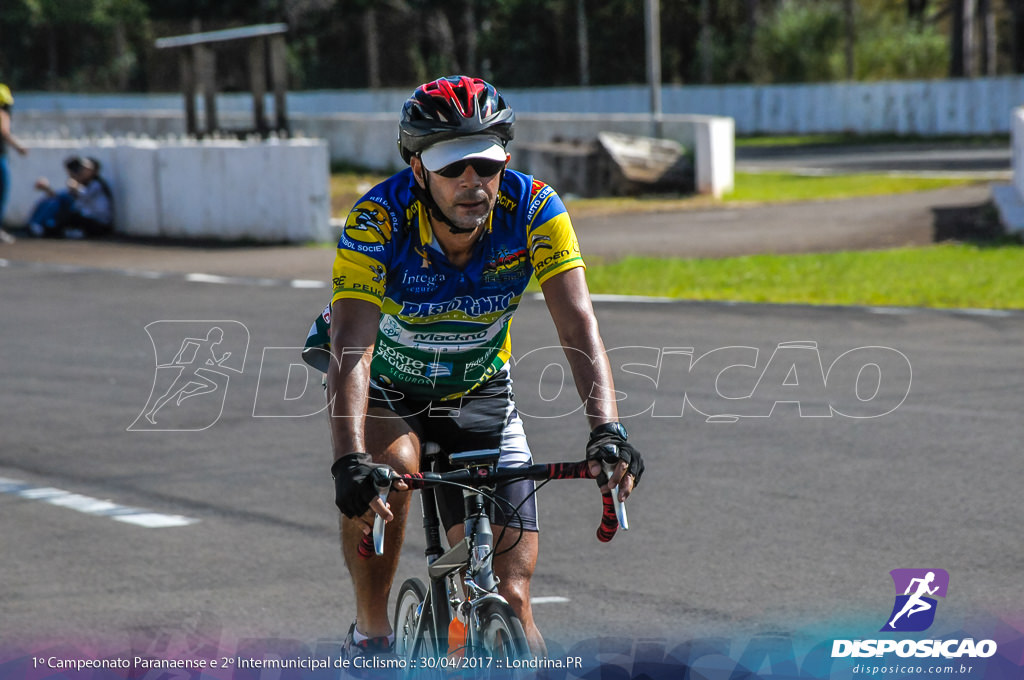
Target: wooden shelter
198 65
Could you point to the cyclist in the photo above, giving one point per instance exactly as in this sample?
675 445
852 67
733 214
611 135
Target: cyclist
429 270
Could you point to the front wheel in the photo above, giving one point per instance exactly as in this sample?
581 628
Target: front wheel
413 638
498 633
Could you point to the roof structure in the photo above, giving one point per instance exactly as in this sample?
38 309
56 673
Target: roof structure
197 63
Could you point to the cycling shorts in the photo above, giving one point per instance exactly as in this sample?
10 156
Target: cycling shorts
486 419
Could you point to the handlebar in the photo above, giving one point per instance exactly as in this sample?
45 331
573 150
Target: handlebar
613 513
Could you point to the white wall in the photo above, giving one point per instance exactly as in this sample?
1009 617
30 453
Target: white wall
920 107
369 139
269 191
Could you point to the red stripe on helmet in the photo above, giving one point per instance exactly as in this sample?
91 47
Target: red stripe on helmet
461 94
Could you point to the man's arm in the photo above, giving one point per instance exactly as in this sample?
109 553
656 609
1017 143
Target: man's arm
568 301
354 326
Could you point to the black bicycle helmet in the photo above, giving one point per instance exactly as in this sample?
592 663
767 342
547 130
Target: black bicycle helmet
456 106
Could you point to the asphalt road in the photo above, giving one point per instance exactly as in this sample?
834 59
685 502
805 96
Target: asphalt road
769 522
991 160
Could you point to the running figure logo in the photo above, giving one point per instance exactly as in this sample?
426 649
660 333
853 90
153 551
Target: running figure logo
914 609
194 362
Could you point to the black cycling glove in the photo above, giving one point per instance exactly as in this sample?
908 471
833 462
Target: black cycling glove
353 483
608 445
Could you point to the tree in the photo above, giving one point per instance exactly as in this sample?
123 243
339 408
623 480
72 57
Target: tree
987 45
795 43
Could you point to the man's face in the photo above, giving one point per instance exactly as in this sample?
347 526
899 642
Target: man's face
467 200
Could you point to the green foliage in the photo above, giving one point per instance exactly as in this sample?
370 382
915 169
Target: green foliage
81 45
796 43
890 51
107 45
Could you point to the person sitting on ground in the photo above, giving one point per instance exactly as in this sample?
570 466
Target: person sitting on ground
84 209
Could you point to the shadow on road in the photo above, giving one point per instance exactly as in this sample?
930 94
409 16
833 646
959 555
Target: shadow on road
976 223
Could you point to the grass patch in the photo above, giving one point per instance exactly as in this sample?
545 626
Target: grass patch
770 187
944 276
348 187
780 187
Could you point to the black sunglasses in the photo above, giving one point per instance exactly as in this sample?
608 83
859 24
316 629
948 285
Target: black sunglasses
483 167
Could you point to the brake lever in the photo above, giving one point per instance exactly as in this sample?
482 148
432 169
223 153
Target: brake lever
620 506
382 483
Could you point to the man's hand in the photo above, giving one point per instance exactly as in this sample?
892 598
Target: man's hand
355 493
608 445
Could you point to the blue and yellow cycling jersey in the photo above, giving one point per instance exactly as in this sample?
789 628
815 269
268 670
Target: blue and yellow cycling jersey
443 330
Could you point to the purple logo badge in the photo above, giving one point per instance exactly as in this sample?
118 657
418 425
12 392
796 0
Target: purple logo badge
916 590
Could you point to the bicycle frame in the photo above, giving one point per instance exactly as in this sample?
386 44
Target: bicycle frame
472 555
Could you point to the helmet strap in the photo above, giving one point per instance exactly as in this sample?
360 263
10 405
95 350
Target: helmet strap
423 195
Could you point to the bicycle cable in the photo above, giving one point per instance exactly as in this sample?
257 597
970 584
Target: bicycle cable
513 511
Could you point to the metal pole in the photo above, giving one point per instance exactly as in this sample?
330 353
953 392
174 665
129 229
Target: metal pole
653 26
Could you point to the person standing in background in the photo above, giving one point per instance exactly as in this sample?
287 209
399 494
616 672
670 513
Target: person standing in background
6 139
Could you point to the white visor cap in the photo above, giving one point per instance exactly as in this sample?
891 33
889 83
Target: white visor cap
453 150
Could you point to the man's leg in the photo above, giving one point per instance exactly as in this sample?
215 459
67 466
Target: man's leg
515 569
391 441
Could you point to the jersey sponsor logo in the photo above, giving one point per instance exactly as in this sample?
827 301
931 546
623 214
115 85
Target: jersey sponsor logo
505 265
539 242
540 195
435 338
424 255
378 272
505 201
368 288
553 259
400 362
421 283
443 341
411 212
466 304
369 222
439 369
390 328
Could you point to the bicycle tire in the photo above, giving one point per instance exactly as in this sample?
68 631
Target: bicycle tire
499 632
408 614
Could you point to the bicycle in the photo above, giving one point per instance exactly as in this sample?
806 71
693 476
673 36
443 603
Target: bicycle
424 615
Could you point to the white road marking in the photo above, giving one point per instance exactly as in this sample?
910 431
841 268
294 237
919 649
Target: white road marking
93 506
550 599
197 277
307 283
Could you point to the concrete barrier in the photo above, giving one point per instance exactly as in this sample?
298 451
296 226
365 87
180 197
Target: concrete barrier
369 139
709 139
1009 198
269 191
